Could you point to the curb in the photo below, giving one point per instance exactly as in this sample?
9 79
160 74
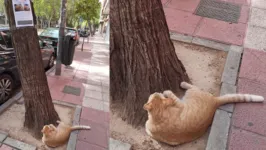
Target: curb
200 41
222 119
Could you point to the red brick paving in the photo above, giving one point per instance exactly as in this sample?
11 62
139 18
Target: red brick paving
181 19
221 31
248 127
78 76
87 146
244 140
185 5
97 135
254 64
5 147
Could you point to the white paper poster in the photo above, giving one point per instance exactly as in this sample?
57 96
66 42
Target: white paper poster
23 13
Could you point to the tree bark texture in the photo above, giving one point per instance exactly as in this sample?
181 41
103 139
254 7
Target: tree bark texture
38 101
142 57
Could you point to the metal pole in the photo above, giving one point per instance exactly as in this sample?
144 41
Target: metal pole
61 37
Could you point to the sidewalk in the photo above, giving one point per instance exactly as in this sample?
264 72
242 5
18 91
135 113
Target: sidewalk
241 127
248 120
86 83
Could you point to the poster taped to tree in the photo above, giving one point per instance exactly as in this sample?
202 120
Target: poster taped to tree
23 13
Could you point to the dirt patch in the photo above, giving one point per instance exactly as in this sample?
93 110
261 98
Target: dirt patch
204 67
13 118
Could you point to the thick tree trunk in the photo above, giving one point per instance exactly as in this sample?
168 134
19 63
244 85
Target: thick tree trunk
38 101
142 57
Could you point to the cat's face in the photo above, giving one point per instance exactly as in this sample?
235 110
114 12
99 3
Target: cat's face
157 101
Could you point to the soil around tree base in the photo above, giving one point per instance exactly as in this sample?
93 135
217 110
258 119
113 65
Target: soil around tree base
204 67
12 121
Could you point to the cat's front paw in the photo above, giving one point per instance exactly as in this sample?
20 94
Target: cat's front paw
167 93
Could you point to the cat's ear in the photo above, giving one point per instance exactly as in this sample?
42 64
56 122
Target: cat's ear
147 106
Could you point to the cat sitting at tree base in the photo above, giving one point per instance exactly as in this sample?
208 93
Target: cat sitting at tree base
175 122
57 136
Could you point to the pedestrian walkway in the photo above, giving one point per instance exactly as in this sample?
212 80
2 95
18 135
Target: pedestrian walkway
86 83
231 22
182 18
248 120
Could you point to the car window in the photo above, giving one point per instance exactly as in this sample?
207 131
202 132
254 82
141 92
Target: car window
51 32
7 37
2 41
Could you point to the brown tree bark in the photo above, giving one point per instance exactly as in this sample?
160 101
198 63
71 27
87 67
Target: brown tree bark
142 57
38 101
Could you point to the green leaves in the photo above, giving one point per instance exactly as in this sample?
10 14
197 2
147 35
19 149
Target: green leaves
88 9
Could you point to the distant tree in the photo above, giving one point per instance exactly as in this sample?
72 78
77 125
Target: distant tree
47 10
3 10
88 10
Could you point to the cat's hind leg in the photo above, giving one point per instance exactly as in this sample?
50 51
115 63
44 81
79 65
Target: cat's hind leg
170 94
186 85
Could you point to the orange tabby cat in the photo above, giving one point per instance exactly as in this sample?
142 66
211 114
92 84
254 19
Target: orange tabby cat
175 122
54 137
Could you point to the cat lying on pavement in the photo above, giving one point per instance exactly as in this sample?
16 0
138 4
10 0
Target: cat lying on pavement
174 122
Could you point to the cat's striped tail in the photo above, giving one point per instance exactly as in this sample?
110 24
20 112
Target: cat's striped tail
238 98
80 128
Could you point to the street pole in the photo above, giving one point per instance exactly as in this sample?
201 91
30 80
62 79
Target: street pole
61 37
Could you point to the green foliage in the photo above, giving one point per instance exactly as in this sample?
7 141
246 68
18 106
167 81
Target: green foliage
47 9
88 9
2 6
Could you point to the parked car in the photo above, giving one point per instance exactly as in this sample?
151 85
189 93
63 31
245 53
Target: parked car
9 75
51 35
84 33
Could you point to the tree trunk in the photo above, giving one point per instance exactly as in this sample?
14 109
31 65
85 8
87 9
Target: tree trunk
5 16
89 24
142 57
38 101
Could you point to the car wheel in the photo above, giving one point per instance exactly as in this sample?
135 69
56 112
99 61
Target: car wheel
51 61
6 87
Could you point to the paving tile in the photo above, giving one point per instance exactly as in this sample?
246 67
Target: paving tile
244 140
18 144
93 94
244 14
106 106
258 17
180 21
97 135
118 145
106 97
221 31
93 103
87 146
72 99
105 89
253 65
241 2
255 38
93 115
3 136
5 147
250 116
259 3
56 95
91 87
164 1
187 5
